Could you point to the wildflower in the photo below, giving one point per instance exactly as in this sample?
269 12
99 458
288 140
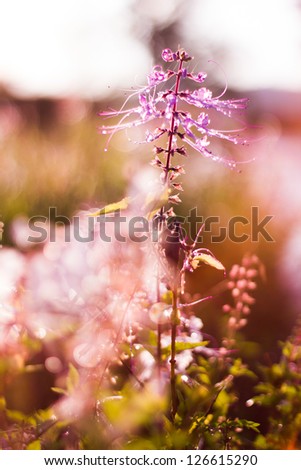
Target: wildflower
242 285
161 103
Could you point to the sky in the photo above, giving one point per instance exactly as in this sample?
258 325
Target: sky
88 48
262 37
59 47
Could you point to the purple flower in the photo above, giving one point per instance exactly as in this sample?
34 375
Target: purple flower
168 55
160 101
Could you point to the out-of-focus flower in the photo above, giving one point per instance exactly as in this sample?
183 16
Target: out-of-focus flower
88 292
241 284
20 233
13 267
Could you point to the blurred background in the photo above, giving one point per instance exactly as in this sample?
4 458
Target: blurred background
63 61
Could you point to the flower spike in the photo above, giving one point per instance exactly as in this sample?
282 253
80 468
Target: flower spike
159 101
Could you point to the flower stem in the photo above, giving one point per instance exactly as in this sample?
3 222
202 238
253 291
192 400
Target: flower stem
174 315
159 329
174 323
159 350
172 124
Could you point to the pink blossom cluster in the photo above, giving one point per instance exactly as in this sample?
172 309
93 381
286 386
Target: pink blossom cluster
159 100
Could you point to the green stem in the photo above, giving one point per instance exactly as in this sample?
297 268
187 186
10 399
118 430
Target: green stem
174 315
159 327
159 350
174 323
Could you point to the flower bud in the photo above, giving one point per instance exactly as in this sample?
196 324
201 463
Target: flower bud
168 55
241 283
226 308
234 271
235 292
251 273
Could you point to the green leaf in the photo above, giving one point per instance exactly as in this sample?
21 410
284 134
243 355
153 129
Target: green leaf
181 346
238 369
33 368
34 445
222 402
155 202
59 390
207 259
20 417
247 424
72 379
167 297
2 404
150 205
261 442
147 337
114 207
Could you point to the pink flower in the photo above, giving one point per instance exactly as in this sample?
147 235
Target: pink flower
159 101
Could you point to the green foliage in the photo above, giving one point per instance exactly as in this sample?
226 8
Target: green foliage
280 392
217 391
114 207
